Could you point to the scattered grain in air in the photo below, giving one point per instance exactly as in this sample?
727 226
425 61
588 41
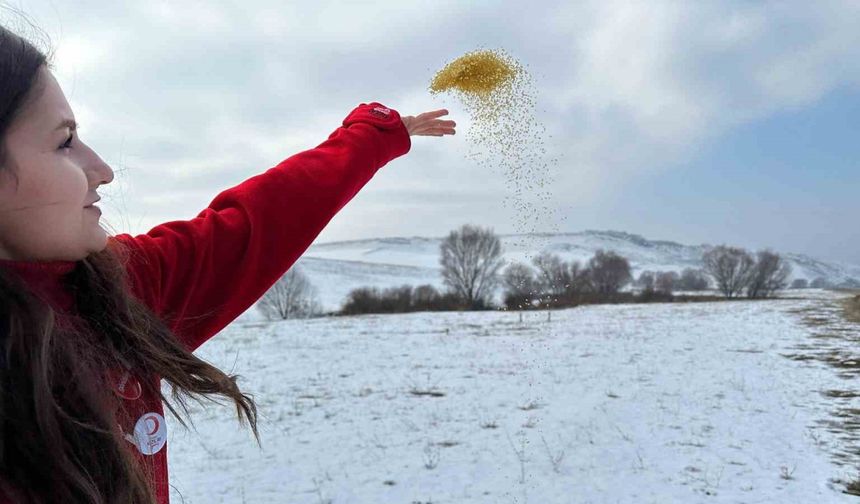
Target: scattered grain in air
498 94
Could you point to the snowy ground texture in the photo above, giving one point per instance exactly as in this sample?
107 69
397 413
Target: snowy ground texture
660 403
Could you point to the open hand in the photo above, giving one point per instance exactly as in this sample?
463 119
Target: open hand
427 124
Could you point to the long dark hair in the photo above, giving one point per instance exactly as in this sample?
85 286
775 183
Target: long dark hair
58 436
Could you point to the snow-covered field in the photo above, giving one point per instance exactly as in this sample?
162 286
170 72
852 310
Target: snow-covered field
659 403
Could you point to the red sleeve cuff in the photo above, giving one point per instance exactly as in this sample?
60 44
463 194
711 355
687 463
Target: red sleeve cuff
385 119
374 113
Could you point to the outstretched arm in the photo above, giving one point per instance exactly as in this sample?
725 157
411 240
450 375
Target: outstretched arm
201 274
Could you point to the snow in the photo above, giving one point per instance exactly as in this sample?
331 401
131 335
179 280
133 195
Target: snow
643 254
334 279
647 403
335 268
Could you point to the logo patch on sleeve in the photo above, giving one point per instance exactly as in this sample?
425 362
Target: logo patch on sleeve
380 111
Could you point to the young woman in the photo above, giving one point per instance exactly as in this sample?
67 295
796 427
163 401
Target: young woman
90 324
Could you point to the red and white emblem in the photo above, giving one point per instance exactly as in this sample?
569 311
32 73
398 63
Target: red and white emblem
150 433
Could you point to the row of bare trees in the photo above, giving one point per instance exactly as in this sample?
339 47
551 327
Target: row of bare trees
736 271
552 281
471 260
690 279
401 299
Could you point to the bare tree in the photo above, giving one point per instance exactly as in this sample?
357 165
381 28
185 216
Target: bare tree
730 267
520 285
609 272
292 296
693 280
471 258
397 299
425 296
553 274
666 281
800 283
580 279
361 300
646 281
769 275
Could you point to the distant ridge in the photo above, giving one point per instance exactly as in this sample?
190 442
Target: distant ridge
337 267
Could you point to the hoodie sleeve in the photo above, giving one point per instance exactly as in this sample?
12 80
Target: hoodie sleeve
200 274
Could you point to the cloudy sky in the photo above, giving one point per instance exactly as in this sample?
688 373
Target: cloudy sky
698 122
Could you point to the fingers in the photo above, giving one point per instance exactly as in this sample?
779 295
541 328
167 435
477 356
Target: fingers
437 132
430 117
429 125
441 124
434 113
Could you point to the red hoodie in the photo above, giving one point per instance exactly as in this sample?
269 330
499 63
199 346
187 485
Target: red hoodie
200 274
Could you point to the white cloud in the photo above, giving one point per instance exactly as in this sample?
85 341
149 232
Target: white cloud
625 88
649 82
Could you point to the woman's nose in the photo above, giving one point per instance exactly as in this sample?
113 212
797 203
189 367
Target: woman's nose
100 172
107 172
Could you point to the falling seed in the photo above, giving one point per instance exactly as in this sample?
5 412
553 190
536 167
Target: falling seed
499 95
479 73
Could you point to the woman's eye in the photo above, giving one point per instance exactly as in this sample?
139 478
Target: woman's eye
66 145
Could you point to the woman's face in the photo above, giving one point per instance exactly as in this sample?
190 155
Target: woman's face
44 218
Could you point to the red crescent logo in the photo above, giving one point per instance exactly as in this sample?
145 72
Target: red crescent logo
154 425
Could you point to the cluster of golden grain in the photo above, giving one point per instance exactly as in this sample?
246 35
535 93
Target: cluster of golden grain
499 95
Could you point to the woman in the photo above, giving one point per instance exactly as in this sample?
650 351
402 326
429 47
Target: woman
90 323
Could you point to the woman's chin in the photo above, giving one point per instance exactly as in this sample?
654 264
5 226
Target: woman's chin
98 240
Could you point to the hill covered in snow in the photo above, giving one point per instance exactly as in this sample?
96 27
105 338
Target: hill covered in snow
335 268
